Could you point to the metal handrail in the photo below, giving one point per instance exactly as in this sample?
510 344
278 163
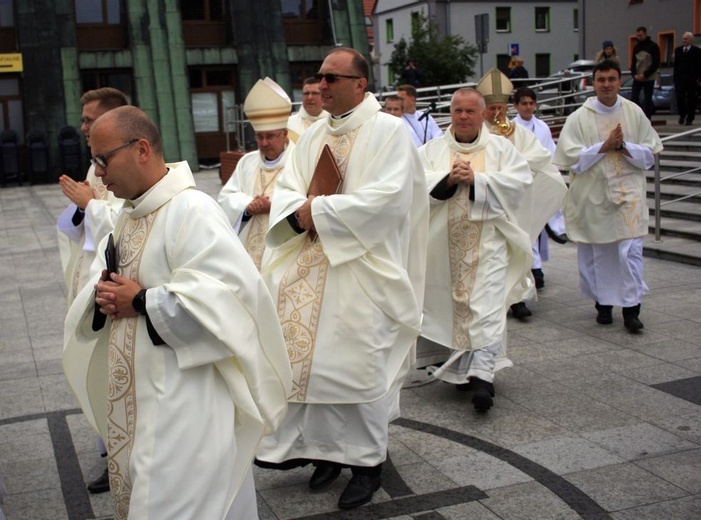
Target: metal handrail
658 182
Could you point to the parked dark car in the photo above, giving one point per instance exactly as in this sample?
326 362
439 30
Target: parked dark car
662 97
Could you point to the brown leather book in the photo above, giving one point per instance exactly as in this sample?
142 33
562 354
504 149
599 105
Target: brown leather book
327 177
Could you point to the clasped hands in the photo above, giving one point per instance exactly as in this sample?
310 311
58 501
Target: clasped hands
114 294
614 141
259 205
461 173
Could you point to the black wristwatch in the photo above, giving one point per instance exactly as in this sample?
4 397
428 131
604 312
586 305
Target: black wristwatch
139 302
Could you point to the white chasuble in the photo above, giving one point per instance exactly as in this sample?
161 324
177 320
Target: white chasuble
301 292
478 253
349 302
607 202
252 176
198 404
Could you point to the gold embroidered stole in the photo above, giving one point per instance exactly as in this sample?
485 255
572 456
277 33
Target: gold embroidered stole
258 225
302 288
99 191
121 396
622 185
464 238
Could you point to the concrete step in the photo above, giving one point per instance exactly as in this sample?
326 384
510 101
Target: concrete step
675 249
676 227
674 191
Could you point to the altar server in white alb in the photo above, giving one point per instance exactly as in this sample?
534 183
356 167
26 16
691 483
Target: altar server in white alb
93 210
347 273
549 189
311 110
190 369
246 196
607 145
478 251
525 102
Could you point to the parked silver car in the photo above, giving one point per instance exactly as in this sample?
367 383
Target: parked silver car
662 96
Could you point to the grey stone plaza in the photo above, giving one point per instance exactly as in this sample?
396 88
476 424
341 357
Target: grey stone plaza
591 422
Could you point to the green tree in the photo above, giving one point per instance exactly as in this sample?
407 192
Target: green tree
443 60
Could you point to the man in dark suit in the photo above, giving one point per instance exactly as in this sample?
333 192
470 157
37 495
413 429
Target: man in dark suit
687 75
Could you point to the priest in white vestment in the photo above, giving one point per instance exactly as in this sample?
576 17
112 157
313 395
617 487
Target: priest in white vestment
246 196
190 370
479 253
607 145
347 272
311 110
86 221
548 185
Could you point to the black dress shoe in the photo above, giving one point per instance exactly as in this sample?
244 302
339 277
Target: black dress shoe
520 311
631 320
604 314
324 474
681 120
101 484
539 278
483 398
285 465
561 238
359 491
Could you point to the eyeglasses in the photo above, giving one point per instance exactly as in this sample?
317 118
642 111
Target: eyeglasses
101 160
268 137
332 78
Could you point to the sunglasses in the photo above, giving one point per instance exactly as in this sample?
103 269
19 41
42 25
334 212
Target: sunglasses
332 78
101 160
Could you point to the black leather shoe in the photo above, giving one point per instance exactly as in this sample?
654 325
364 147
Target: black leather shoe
631 320
324 474
483 398
359 491
101 484
539 278
681 120
604 314
520 311
559 238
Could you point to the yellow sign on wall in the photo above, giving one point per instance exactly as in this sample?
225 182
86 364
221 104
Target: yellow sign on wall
11 62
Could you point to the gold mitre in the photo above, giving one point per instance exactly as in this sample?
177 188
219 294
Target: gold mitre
495 87
267 106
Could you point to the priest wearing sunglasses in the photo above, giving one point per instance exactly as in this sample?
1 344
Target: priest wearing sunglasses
346 269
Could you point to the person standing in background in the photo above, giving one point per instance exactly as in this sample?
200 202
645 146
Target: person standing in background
687 75
646 61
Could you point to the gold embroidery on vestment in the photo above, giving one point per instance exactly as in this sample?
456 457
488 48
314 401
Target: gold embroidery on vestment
121 396
301 291
258 224
464 236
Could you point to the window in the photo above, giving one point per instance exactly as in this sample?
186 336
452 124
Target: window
542 65
304 9
389 30
212 93
100 25
97 12
302 22
503 18
203 23
7 27
542 19
391 78
203 10
415 20
575 19
11 111
120 79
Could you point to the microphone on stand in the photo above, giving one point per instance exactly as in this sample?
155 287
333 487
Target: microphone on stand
432 107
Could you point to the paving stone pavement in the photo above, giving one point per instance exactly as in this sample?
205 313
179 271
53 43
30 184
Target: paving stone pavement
591 422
